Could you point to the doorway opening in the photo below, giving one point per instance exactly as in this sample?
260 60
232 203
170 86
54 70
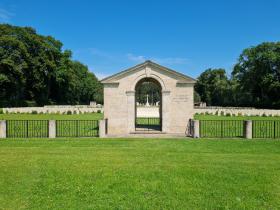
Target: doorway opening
148 105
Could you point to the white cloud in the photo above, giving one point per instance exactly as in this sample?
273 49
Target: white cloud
98 74
5 15
101 76
106 62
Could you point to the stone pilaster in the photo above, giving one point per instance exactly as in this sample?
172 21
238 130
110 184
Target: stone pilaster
165 111
102 128
52 129
195 124
3 129
248 125
130 111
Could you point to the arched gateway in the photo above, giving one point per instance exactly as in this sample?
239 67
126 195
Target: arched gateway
148 98
148 114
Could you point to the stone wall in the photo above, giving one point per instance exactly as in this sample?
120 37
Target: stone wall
237 111
152 111
119 101
145 111
55 109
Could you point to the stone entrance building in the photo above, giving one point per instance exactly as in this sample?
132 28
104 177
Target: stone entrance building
176 105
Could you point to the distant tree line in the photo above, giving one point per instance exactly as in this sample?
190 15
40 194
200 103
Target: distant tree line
254 81
34 70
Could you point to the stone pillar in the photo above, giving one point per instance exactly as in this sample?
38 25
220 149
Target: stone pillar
3 129
102 128
165 111
248 125
130 111
52 129
195 125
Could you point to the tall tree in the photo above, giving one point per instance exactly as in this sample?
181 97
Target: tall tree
214 87
258 75
13 65
34 68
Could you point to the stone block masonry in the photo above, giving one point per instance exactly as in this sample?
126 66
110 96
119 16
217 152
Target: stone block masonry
54 110
52 129
3 128
248 129
236 111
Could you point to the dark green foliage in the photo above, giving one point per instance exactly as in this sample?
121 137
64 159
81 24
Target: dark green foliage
148 87
35 71
258 75
214 87
197 97
255 80
29 103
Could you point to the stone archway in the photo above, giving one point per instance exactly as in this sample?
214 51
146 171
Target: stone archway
148 105
120 98
165 101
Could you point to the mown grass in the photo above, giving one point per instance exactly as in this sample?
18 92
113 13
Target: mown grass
139 174
93 116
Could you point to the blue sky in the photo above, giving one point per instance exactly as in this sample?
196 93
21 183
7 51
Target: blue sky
188 36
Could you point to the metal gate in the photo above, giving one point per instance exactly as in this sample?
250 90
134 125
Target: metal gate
148 124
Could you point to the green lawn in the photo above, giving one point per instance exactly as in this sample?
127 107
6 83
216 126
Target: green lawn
139 174
94 116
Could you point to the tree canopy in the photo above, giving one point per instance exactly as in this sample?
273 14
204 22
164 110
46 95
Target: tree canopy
150 88
213 87
258 75
254 81
34 70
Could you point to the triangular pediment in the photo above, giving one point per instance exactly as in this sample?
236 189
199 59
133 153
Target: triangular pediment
181 78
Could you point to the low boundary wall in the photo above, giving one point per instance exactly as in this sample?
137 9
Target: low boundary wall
236 111
54 110
152 111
